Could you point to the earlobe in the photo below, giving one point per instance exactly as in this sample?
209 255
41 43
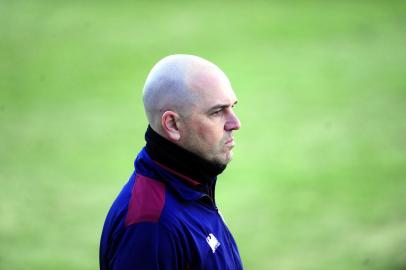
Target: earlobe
170 125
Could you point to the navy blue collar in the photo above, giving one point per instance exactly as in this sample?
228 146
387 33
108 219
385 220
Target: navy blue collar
187 190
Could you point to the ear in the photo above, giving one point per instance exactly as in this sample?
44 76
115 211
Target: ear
170 125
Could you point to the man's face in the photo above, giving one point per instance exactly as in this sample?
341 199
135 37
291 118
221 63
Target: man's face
208 127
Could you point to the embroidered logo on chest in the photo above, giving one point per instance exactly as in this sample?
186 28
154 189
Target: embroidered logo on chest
213 242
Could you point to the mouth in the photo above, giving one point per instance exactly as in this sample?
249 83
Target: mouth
230 142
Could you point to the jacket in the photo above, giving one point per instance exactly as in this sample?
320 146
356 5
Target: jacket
160 220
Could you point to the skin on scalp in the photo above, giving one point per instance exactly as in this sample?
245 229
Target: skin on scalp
175 83
190 86
166 88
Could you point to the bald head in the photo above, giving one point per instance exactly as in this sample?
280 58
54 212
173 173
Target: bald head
176 83
189 101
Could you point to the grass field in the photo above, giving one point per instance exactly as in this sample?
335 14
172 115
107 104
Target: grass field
319 175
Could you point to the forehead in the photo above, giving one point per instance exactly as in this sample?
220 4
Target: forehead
210 86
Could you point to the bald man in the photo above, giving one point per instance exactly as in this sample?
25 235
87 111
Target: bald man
166 216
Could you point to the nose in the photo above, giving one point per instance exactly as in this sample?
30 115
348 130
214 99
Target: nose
232 123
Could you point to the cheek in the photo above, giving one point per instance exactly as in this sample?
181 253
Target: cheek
209 133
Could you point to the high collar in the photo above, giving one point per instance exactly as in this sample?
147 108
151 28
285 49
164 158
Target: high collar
189 166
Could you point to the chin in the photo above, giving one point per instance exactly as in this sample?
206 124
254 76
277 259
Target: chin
228 158
223 159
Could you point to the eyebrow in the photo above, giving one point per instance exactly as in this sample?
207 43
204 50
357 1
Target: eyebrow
221 106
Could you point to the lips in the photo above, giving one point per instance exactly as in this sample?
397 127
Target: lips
230 142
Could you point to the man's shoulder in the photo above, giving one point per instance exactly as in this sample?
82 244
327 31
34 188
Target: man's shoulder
147 200
156 201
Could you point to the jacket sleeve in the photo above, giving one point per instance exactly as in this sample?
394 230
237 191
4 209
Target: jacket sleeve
147 246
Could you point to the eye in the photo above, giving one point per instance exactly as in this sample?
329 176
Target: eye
217 112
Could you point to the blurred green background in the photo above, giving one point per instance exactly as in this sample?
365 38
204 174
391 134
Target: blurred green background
318 176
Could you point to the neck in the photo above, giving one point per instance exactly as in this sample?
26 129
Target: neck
180 160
